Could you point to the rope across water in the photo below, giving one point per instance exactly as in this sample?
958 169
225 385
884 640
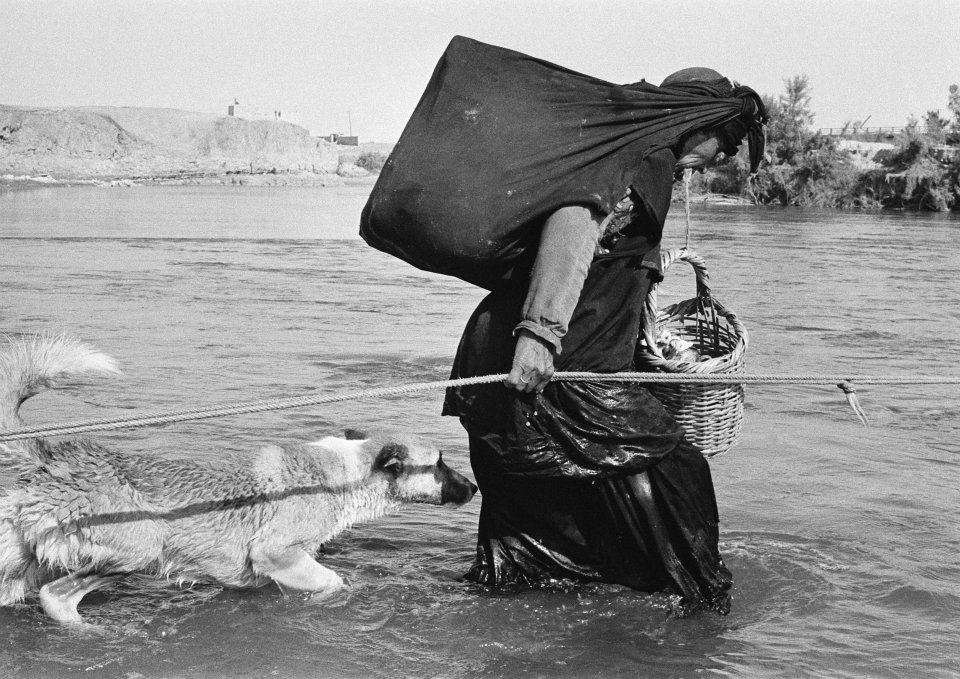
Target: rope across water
844 382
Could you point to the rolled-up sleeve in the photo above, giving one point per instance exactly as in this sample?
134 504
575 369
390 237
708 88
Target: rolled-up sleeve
567 246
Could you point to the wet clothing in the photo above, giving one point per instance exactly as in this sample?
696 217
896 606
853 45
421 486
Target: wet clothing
655 531
584 480
587 480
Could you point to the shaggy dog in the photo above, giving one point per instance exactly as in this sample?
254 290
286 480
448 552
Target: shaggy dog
74 516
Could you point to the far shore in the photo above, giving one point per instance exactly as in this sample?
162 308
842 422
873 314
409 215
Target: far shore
112 146
10 183
281 179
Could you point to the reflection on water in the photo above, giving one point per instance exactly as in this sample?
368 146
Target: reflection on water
842 540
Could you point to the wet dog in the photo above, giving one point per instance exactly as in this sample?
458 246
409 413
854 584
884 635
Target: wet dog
75 516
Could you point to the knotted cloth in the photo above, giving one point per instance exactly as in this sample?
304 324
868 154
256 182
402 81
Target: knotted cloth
500 140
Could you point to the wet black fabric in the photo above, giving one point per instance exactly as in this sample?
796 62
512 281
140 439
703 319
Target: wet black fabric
572 429
656 531
586 481
589 481
500 140
576 429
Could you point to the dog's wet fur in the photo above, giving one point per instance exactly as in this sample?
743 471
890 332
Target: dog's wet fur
74 515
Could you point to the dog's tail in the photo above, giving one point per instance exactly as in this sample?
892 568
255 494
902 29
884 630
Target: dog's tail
29 365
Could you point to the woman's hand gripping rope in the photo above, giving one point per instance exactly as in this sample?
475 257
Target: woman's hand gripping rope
532 365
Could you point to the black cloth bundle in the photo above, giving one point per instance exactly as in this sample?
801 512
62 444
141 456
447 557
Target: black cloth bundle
499 140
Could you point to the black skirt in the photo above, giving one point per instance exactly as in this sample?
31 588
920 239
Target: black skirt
586 481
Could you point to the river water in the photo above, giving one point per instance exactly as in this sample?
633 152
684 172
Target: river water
843 539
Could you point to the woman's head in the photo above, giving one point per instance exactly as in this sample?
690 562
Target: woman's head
694 74
727 137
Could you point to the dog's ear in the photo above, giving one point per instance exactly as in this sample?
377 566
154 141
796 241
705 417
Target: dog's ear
391 457
354 434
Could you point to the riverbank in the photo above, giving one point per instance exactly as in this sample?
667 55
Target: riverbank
124 146
25 183
299 179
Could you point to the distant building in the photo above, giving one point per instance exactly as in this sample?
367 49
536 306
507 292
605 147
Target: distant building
342 139
235 110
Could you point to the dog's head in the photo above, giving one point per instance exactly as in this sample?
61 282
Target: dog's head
415 469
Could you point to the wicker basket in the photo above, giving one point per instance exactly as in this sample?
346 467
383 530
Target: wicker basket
710 415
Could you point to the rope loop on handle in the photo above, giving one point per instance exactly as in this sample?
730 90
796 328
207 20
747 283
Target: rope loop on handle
851 393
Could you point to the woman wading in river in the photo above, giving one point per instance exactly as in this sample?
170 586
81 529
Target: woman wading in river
505 176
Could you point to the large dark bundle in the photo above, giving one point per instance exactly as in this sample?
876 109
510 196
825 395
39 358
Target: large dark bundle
500 140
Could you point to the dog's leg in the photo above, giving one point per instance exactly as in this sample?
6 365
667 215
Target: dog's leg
60 597
296 569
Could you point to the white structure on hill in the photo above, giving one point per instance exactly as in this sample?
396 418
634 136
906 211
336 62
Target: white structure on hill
248 112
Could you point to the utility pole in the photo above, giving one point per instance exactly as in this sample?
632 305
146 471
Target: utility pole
349 124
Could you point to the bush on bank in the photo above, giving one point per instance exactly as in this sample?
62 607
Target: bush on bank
806 169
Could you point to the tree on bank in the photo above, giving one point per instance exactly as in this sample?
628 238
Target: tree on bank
953 104
916 174
805 168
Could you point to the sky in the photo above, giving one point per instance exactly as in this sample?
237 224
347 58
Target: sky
360 66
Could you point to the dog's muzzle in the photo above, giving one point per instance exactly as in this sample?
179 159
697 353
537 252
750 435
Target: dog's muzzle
454 487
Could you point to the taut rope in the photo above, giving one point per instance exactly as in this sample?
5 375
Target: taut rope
844 382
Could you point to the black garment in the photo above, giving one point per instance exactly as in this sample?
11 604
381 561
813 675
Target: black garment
655 531
577 428
501 140
588 481
549 508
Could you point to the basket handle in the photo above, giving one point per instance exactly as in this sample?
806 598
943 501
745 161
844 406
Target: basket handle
650 306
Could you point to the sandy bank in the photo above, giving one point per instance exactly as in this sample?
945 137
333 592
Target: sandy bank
109 144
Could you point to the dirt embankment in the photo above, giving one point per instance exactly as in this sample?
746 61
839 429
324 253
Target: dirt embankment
124 143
